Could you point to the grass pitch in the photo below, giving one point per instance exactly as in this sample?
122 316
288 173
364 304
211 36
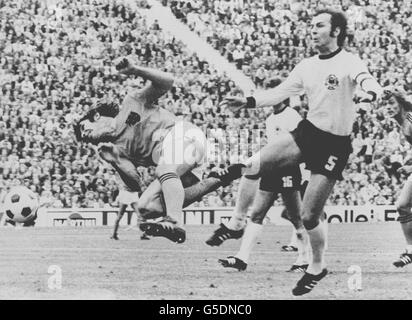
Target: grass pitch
96 267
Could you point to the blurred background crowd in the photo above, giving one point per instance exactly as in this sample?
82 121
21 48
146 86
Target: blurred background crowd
57 60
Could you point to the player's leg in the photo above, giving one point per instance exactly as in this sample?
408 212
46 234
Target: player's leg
151 204
293 204
317 192
284 152
281 153
234 228
172 188
292 246
245 195
404 205
120 213
182 149
262 202
140 219
195 189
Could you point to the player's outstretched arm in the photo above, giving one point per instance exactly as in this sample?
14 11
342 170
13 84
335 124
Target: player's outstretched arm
293 85
160 82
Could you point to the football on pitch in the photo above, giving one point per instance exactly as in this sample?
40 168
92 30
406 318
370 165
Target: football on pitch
20 204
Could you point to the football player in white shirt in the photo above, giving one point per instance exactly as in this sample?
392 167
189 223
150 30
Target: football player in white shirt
322 140
287 183
125 198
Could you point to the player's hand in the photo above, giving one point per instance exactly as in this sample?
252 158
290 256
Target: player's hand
387 93
87 136
405 170
123 65
234 104
363 97
390 91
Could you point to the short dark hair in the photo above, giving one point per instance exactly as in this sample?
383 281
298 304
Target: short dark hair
337 19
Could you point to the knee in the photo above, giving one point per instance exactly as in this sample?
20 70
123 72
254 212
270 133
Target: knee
142 206
165 170
257 217
148 210
310 219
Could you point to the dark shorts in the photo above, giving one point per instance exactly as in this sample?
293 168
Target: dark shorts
323 152
288 179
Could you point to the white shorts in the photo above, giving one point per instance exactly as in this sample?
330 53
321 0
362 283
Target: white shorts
127 197
185 143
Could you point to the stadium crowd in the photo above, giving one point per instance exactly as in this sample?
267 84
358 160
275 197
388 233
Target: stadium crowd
57 60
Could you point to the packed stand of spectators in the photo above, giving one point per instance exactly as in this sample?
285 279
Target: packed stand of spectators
266 38
56 61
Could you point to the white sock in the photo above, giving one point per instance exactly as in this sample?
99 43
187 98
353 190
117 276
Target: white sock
248 240
293 240
237 221
326 230
317 240
409 249
244 198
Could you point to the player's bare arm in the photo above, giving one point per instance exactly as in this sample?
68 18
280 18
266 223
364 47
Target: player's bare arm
124 167
159 82
267 98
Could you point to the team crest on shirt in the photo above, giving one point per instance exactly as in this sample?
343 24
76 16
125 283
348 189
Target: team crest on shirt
332 82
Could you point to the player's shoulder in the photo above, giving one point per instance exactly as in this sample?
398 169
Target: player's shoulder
350 55
304 62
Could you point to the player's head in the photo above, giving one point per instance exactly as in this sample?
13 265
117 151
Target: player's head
97 121
397 102
328 26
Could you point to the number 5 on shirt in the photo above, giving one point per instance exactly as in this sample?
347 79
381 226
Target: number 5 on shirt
331 163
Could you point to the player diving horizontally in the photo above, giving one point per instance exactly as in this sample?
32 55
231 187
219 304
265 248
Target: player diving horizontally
401 110
322 141
141 133
260 196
